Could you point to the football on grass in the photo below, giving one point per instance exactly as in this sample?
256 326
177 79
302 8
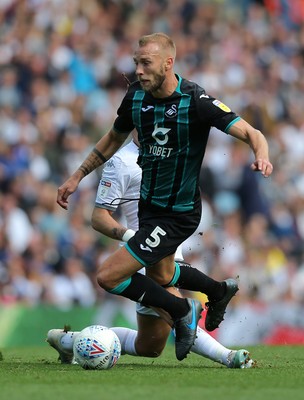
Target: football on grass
96 347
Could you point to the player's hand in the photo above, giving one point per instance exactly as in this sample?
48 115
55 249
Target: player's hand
263 166
65 190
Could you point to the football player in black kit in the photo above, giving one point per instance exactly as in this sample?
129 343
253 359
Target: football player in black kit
172 117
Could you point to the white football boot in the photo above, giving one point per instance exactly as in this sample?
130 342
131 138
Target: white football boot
240 359
54 339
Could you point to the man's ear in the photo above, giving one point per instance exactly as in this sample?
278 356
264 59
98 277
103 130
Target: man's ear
169 63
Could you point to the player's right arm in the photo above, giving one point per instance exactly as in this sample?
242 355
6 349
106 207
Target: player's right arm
103 150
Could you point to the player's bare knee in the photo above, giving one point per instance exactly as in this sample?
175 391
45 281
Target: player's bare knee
148 350
150 346
150 354
104 279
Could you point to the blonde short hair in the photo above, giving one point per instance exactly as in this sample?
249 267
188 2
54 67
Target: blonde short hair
163 40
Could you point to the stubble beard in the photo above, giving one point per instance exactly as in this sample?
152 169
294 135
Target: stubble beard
158 81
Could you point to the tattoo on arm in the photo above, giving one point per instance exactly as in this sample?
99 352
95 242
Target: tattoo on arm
94 160
101 156
84 170
118 233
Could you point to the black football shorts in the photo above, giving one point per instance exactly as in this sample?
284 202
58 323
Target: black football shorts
161 232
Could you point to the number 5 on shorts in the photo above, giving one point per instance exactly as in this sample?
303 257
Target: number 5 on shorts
155 235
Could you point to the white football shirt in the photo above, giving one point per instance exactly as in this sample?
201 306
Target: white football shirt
119 184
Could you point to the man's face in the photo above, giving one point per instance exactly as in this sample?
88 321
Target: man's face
150 67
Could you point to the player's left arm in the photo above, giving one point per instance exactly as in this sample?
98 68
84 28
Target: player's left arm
242 130
104 222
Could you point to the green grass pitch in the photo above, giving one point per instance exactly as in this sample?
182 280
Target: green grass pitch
33 373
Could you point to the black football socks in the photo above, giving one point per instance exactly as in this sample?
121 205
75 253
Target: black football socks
142 289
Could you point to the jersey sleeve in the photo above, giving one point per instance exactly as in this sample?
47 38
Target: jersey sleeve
215 113
111 186
124 122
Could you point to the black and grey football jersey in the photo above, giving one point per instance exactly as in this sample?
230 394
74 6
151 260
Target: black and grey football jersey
173 134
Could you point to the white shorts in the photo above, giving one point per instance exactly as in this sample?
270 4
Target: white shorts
141 309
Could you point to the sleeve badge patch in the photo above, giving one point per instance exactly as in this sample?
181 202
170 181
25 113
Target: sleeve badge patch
105 183
221 105
103 189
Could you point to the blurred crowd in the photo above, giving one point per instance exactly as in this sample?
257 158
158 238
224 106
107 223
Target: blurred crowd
61 81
